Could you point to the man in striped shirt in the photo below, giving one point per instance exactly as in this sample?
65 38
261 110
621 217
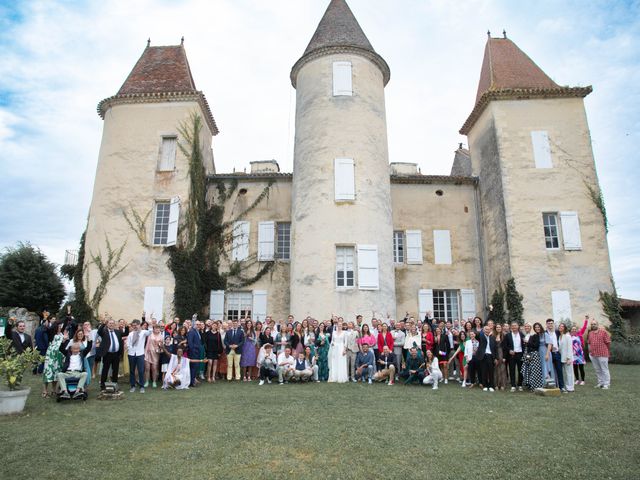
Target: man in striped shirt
599 342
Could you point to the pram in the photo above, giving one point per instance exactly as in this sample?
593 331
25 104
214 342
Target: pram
72 386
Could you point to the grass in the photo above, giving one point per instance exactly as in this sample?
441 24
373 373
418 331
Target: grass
330 431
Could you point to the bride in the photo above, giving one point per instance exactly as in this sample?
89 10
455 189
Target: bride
338 356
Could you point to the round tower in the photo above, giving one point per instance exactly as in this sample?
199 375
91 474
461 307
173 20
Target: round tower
342 230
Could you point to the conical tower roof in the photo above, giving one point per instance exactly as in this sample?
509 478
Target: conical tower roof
339 32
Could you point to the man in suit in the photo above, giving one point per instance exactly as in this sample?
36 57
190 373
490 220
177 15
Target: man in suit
110 350
485 357
233 341
19 338
41 338
513 348
194 350
352 349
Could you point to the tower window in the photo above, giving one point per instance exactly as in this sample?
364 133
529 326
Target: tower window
344 267
167 161
551 231
161 225
342 79
398 247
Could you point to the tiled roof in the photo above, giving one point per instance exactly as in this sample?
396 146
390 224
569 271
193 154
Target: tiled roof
160 70
339 32
506 66
162 74
627 303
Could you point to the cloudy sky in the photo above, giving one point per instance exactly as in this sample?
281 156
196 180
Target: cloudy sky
59 58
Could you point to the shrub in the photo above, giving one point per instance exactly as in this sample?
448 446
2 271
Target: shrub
625 353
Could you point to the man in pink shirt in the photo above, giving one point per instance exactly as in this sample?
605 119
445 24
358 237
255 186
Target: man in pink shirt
599 342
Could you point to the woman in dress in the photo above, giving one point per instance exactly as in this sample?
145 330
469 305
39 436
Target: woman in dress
384 337
248 352
462 359
53 361
500 370
155 344
213 348
222 361
322 342
477 325
297 341
178 375
427 339
565 347
531 365
338 356
577 337
283 339
412 339
180 338
441 349
366 337
472 370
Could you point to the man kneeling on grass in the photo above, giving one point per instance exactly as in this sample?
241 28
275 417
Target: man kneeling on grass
365 361
414 367
267 363
73 367
386 366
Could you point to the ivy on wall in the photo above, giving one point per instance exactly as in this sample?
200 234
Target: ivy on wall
613 311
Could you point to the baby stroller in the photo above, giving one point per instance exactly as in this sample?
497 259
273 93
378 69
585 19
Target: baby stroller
72 386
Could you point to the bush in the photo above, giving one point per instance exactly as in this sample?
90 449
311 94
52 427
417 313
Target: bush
625 353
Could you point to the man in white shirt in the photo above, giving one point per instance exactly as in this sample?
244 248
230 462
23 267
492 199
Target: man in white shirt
286 365
512 350
266 363
73 367
135 349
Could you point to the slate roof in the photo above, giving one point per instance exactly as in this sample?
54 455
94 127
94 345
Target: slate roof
339 32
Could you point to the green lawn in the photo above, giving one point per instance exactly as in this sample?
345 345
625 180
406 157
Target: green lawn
240 430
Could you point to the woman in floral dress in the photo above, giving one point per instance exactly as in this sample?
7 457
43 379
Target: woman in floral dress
53 361
322 342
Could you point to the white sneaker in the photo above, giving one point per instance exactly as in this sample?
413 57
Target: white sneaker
605 387
463 385
354 380
261 382
491 390
577 382
370 382
132 390
446 381
485 389
520 389
435 387
269 381
598 386
513 389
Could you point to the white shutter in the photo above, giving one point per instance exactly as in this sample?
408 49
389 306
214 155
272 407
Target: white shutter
266 241
468 297
442 247
344 179
168 153
414 247
216 305
570 231
174 217
368 278
259 311
541 149
240 244
153 300
342 79
561 304
425 302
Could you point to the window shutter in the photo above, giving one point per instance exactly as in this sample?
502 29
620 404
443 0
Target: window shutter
342 79
368 267
442 247
240 244
216 305
153 300
570 231
168 153
468 297
174 217
344 179
414 247
561 304
541 149
425 302
266 241
259 305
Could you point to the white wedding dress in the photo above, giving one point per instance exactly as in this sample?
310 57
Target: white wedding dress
337 360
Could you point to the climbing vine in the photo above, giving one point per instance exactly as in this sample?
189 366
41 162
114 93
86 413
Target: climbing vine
108 269
204 238
138 224
613 311
595 194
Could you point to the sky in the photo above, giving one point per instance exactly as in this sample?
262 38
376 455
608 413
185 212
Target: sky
59 58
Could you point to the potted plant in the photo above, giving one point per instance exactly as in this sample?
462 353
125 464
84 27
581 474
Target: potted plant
12 367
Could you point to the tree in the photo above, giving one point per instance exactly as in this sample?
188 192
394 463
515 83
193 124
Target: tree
612 309
28 279
514 302
497 301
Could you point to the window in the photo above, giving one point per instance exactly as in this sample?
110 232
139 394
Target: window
561 305
551 233
344 180
161 228
239 305
541 149
445 305
398 247
167 159
344 267
342 79
283 251
442 247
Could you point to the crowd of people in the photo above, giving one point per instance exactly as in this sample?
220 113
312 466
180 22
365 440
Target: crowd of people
182 354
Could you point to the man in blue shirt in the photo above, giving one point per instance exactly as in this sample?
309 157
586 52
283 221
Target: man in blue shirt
365 364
